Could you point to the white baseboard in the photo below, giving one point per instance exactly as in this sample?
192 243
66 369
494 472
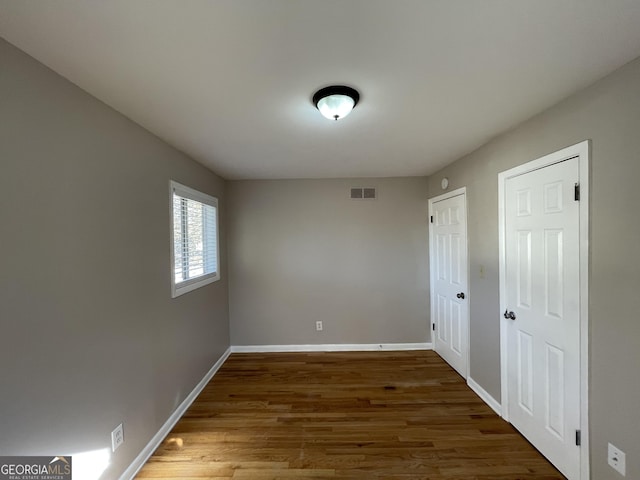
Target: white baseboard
147 451
339 347
484 395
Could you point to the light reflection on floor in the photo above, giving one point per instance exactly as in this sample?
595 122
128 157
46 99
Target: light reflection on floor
90 465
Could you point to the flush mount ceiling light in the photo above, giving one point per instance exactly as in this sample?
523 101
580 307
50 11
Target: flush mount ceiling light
336 101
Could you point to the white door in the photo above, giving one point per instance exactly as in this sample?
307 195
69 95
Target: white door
449 287
542 288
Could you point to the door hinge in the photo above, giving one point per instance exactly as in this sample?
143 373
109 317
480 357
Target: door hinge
578 437
433 327
431 218
576 192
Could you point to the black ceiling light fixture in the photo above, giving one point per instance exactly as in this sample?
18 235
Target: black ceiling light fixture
336 102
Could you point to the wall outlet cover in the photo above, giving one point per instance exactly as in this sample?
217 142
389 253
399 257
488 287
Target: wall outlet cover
617 459
117 437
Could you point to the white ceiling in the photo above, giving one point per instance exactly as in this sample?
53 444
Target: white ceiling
230 82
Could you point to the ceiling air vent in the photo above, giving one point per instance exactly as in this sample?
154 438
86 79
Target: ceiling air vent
359 193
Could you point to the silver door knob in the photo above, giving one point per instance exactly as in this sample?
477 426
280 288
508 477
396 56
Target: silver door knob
509 315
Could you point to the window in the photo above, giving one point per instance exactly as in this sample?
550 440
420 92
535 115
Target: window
195 257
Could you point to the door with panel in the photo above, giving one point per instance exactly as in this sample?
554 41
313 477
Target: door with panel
542 235
449 283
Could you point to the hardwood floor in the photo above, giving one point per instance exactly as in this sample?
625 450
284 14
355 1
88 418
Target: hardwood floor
356 415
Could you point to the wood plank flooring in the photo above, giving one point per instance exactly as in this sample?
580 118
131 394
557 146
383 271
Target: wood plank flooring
349 416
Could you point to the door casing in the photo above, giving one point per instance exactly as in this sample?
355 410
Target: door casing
445 196
582 151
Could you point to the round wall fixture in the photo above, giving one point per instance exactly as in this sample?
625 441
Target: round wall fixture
336 102
444 183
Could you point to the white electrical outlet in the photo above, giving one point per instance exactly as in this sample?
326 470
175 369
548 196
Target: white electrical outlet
319 326
617 459
117 438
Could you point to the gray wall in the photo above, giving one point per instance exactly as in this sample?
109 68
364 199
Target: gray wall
90 336
608 113
302 251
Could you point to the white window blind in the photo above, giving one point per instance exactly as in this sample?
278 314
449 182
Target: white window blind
194 239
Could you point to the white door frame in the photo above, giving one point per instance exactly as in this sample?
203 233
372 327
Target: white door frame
439 198
582 151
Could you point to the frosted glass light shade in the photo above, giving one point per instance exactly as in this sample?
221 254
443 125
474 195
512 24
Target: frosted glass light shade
334 107
336 101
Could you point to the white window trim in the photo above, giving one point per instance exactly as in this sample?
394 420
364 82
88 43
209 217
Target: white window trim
189 285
